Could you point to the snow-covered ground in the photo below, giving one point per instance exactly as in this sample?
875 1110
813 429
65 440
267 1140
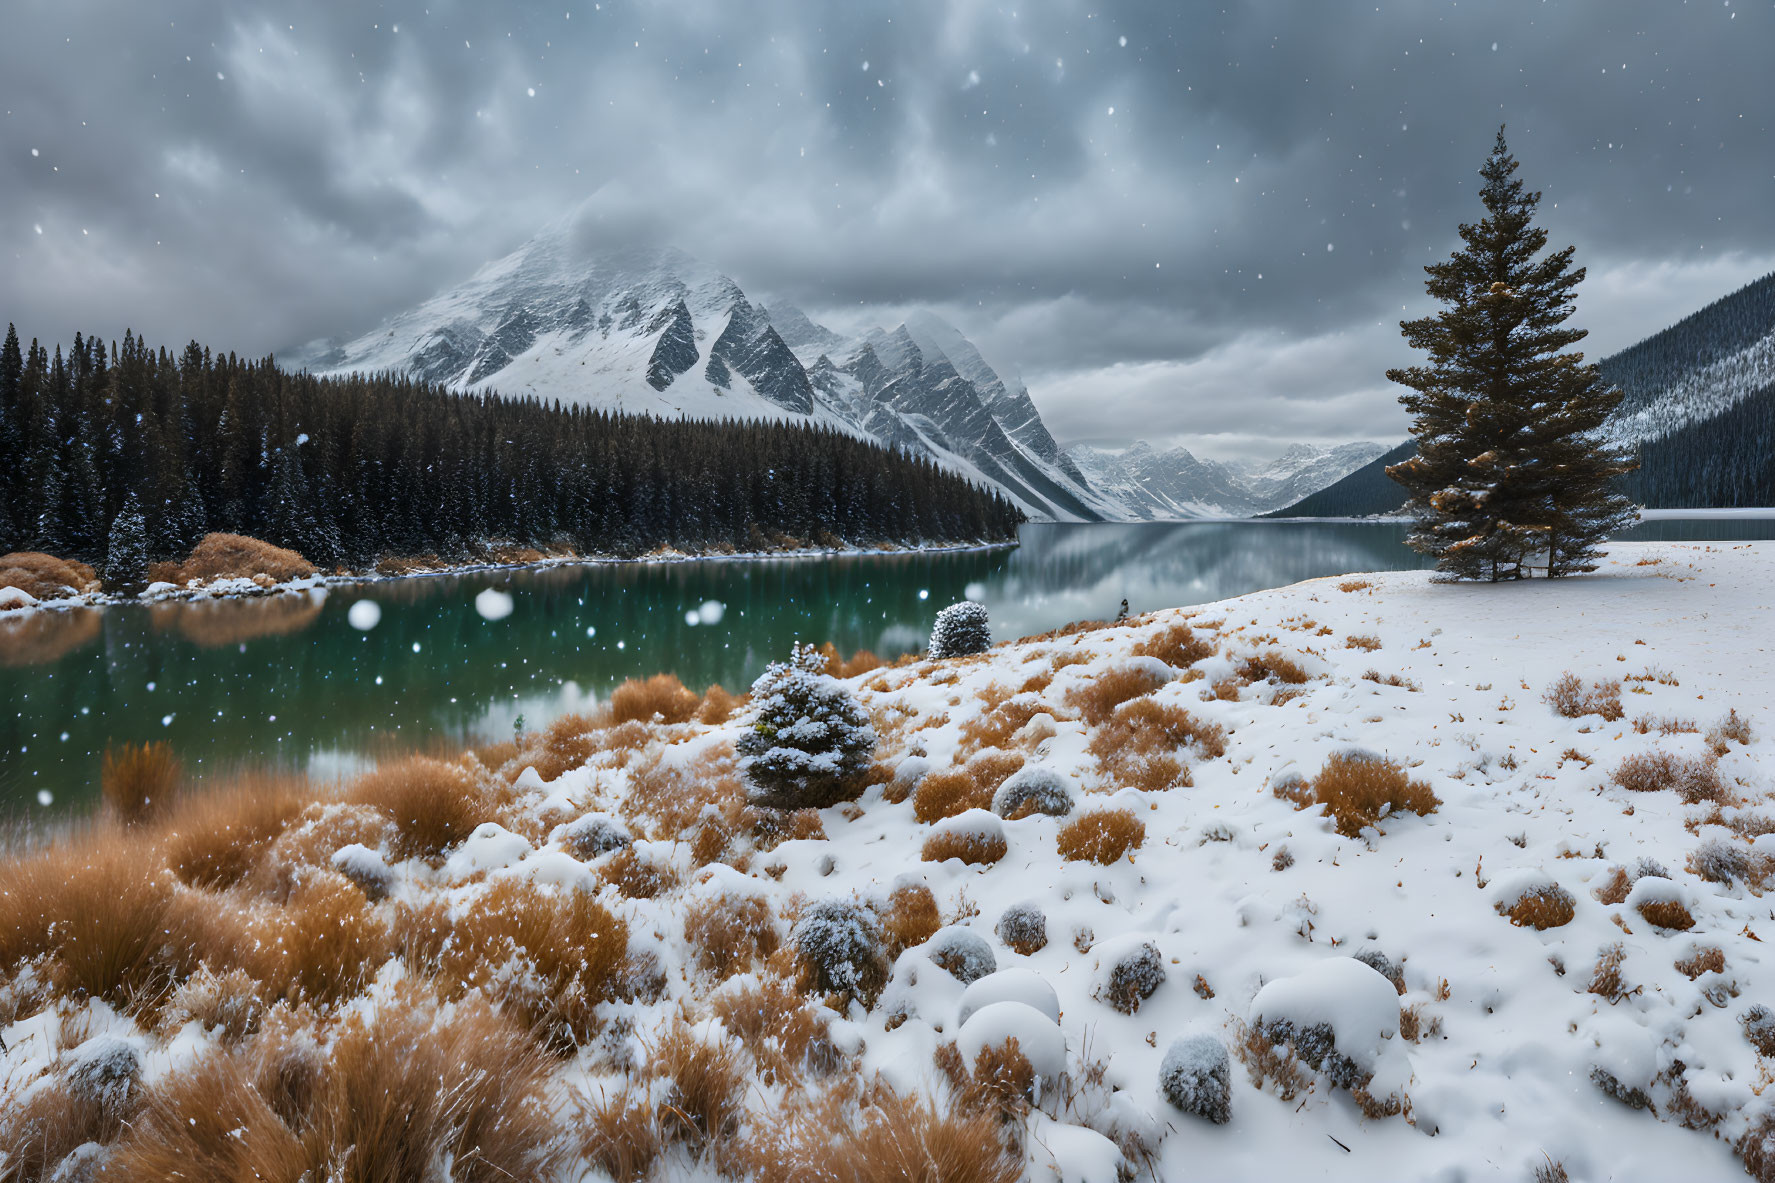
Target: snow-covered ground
1501 1048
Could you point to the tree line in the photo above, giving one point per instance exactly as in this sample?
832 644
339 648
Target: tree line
351 470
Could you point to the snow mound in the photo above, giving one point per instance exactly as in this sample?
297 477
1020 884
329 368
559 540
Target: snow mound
364 867
1040 788
1039 1039
491 847
1010 985
1359 1005
962 952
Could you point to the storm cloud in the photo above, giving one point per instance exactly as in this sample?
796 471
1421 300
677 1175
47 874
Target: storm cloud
1173 221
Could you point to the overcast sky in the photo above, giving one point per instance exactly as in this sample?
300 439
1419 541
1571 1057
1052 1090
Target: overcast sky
1174 222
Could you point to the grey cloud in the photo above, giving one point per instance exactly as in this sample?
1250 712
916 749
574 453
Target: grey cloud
1096 214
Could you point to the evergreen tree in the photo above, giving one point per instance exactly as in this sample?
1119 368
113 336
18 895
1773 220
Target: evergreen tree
810 740
126 559
1509 468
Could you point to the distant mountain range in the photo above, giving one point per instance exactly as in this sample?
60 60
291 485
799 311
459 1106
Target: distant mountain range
1699 406
653 331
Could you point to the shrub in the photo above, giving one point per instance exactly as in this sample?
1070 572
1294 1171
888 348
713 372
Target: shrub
400 1089
706 1085
661 698
998 724
550 959
1695 779
1362 641
1098 698
1701 961
46 577
782 1031
1132 977
1101 836
1667 914
214 838
433 805
638 876
1033 790
1024 928
810 740
718 705
676 797
973 837
1569 698
1175 645
1734 728
1758 1022
1605 976
1358 789
900 1138
1545 906
838 944
945 794
1273 666
911 918
1719 861
963 954
960 629
1196 1076
139 781
594 834
620 1133
728 933
236 556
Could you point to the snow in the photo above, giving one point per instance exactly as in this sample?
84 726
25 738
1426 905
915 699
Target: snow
1010 985
1038 1037
16 597
490 847
364 615
1359 1005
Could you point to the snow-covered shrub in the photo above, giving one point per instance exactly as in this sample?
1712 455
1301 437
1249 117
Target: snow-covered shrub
729 930
1360 788
1128 972
1733 728
963 953
810 740
1759 1028
961 629
366 868
592 835
945 794
1197 1077
1338 1016
1101 836
1033 789
1383 965
1695 778
1719 860
1662 902
1569 698
104 1071
973 837
839 946
1038 1037
1539 903
1024 928
910 918
1097 698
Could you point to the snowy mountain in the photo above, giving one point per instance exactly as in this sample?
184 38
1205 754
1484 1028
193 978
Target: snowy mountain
1177 484
654 331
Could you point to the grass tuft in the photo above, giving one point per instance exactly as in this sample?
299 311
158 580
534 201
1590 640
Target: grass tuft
140 781
659 699
730 933
433 804
1548 906
1569 698
1695 779
1098 698
1358 790
1101 836
969 848
1176 645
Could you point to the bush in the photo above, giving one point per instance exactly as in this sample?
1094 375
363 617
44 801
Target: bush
1695 779
961 629
945 794
1098 698
139 781
661 698
1720 861
1033 790
729 933
1568 698
706 1085
235 556
1132 977
1671 914
1197 1077
810 740
46 577
1734 728
1759 1028
1546 906
1273 666
839 947
1101 836
1358 789
1175 645
973 837
433 805
963 954
1024 928
911 918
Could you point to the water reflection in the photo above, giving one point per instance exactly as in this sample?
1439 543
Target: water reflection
288 680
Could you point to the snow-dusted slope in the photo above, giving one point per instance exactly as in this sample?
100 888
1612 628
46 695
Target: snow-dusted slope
1177 484
654 331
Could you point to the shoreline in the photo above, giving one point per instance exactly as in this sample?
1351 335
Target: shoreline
243 588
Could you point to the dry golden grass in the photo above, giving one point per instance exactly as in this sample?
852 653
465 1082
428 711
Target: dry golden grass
1695 779
997 723
911 919
1000 1084
1615 889
638 876
1176 645
323 947
860 662
140 781
308 842
396 1093
785 1033
772 827
1098 698
216 837
1362 641
433 804
1224 690
945 794
1359 790
729 934
1569 698
1646 724
1605 977
1545 907
659 699
1354 585
233 556
550 958
1273 666
718 705
42 1123
620 1132
1135 746
223 624
1669 914
1391 680
703 1099
229 1005
673 796
969 848
1701 961
45 576
102 909
1734 728
897 1139
1101 836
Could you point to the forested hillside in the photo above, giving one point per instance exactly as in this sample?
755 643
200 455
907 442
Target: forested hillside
350 470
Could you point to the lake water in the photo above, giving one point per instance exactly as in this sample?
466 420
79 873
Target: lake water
290 680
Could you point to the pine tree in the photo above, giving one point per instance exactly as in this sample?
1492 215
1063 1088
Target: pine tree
810 740
126 560
1509 468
